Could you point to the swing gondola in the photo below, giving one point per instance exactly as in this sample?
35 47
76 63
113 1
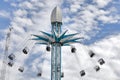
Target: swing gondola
25 50
11 56
62 74
48 48
97 68
39 74
82 73
101 61
91 54
10 64
73 49
21 69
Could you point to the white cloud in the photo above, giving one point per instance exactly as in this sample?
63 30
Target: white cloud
85 19
75 7
34 15
20 13
4 14
109 19
108 48
26 5
102 3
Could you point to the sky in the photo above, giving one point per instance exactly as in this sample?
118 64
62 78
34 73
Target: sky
98 21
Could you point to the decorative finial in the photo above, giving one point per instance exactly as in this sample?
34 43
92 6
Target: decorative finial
56 15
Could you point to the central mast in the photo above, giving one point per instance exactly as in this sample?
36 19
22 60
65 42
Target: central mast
56 39
56 21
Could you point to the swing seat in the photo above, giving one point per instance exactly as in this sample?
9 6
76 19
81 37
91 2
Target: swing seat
25 50
21 69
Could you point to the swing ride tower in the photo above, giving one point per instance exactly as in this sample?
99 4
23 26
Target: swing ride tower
4 69
56 40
